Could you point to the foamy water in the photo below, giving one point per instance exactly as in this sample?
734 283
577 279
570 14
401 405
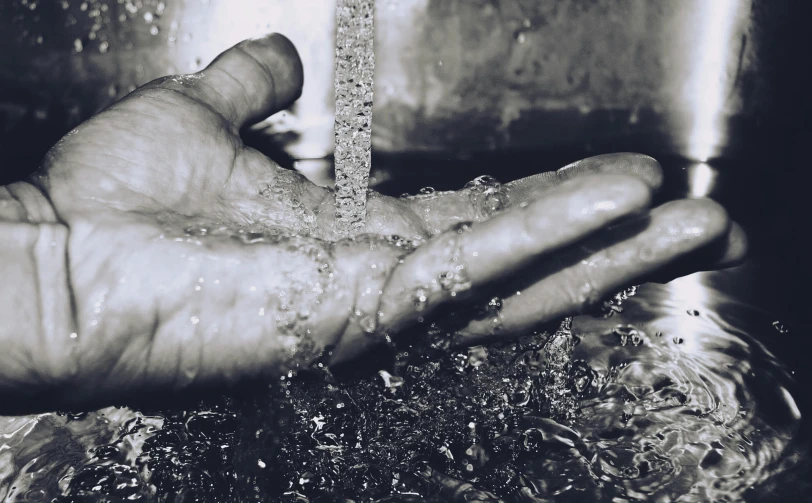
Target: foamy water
678 402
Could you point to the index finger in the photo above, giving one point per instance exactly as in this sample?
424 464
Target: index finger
442 210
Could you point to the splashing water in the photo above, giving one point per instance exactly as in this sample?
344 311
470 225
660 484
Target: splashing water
710 419
355 65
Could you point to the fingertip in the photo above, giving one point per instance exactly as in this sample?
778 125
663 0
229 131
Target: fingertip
701 220
252 80
281 59
644 167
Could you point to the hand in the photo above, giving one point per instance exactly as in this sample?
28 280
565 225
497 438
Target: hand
155 253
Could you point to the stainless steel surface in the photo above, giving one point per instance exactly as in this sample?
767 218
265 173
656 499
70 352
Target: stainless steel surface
454 76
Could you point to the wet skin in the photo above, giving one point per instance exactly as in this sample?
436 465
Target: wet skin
154 253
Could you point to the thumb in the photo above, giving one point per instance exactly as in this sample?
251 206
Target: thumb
247 83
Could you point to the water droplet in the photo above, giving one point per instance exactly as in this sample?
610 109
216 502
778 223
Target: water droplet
693 312
477 355
154 30
103 47
521 37
148 17
487 195
77 45
368 324
425 191
628 333
677 340
419 299
390 381
780 327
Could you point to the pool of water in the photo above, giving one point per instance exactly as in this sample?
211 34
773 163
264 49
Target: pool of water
676 399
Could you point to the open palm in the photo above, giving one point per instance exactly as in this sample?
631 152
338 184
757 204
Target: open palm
181 258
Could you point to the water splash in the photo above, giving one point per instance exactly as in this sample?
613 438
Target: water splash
710 419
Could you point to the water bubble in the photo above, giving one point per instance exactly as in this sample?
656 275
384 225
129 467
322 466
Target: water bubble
582 376
368 324
249 237
677 340
154 30
520 397
487 195
484 181
780 327
477 355
693 312
77 45
426 191
148 17
194 230
628 333
521 37
390 381
419 299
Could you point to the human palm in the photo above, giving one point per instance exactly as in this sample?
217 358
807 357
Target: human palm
193 260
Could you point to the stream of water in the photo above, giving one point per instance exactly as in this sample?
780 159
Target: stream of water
355 66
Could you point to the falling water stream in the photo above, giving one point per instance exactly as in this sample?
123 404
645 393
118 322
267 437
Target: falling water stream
355 65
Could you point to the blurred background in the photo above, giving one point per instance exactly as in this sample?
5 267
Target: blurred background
717 90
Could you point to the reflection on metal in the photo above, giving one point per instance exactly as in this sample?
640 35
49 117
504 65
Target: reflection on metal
690 289
711 75
793 407
454 77
701 180
691 294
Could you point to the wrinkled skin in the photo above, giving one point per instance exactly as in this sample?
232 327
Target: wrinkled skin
159 309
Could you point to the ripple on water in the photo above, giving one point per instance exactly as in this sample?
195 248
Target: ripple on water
704 420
